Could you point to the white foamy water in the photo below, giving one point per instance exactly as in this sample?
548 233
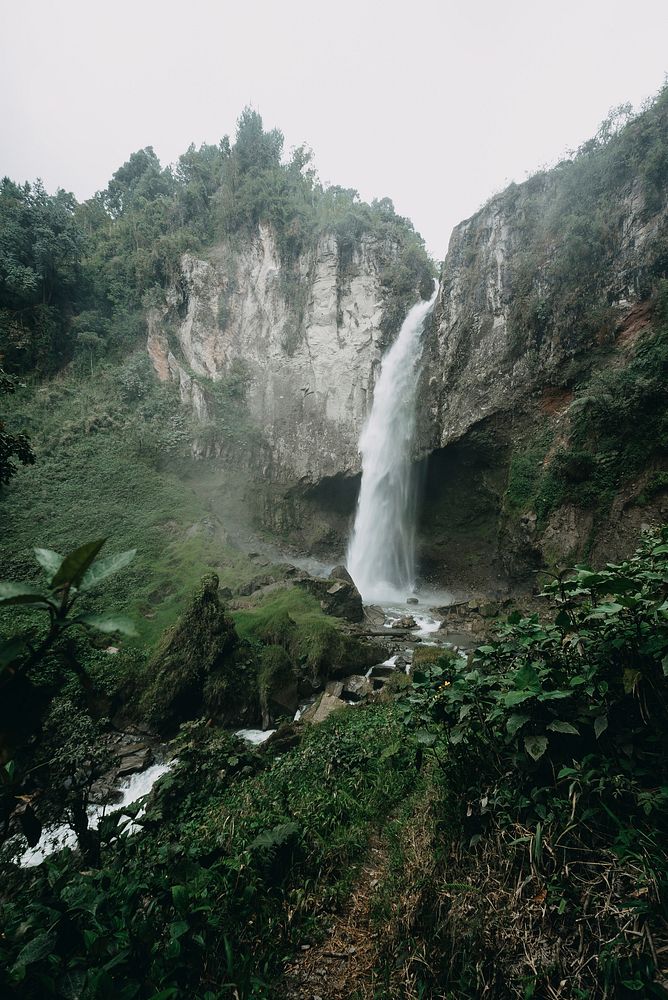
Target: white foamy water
55 838
254 736
381 554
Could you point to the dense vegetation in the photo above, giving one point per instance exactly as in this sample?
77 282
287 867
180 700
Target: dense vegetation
615 431
74 278
523 794
571 227
545 854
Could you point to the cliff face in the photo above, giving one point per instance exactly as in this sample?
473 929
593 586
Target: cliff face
544 369
482 358
308 341
543 394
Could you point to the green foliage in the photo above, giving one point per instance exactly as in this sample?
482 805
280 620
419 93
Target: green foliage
315 643
239 851
618 427
69 749
571 228
554 734
41 248
12 446
66 578
195 658
115 450
75 279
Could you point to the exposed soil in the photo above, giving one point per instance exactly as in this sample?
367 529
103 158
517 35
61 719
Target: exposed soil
342 966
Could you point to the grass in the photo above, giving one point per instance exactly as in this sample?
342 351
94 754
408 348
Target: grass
244 858
112 461
316 643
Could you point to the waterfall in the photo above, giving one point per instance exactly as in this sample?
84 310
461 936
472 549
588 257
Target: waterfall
381 554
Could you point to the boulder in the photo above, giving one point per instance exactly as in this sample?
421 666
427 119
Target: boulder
357 687
194 667
277 683
341 573
412 600
262 580
323 708
134 763
407 621
338 597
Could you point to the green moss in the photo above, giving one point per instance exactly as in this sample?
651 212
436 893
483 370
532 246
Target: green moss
277 680
194 668
316 643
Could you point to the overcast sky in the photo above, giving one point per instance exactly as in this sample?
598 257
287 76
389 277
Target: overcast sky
434 104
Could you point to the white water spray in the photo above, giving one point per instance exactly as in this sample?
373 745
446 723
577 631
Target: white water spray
381 554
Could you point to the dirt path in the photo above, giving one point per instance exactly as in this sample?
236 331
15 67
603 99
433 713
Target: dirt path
342 966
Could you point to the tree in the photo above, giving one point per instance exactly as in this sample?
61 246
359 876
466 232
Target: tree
12 446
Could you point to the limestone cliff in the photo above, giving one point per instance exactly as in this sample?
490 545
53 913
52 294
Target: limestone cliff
309 340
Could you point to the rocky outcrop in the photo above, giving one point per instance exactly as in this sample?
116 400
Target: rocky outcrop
308 339
484 356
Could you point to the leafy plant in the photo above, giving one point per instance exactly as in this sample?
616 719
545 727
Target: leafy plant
552 739
66 579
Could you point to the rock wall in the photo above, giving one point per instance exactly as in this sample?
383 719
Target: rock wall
514 332
310 341
476 367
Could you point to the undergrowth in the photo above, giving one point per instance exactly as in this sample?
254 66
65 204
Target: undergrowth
242 856
549 845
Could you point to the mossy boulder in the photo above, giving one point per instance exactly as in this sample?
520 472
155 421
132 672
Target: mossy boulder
278 683
424 656
200 668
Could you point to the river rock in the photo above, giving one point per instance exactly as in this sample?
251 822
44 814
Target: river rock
407 621
262 580
135 762
323 708
338 598
357 687
412 600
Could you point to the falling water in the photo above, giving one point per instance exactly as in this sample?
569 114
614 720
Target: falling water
381 554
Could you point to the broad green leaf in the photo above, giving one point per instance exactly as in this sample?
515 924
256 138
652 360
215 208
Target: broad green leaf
535 745
35 950
563 727
516 721
181 898
631 677
600 725
72 984
608 608
75 564
525 678
517 697
50 562
105 567
109 623
21 593
426 738
563 620
664 664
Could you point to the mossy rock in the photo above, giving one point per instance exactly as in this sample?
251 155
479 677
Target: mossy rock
278 683
424 655
199 666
